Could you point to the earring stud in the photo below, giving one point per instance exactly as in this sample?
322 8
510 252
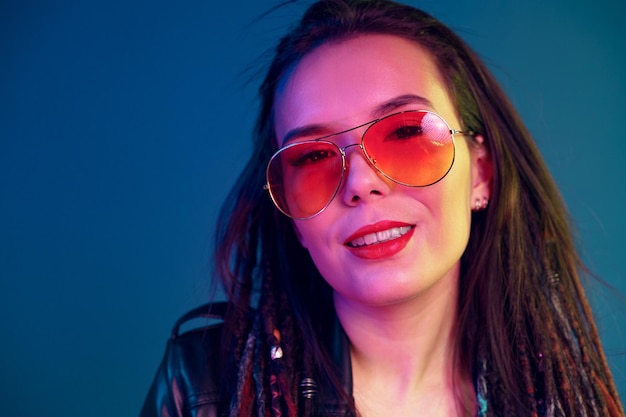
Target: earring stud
481 203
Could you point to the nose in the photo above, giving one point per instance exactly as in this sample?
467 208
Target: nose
362 182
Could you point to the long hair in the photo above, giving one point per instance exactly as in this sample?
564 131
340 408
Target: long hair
526 331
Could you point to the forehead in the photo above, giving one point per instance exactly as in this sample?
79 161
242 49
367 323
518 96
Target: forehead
344 81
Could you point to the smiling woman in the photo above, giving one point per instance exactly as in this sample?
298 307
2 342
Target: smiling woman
322 90
417 258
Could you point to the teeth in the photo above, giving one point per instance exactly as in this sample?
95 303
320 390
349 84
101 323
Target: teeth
378 237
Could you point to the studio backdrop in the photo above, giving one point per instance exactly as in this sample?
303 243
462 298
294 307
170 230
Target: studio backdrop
124 123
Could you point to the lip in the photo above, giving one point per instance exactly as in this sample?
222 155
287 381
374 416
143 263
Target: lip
379 250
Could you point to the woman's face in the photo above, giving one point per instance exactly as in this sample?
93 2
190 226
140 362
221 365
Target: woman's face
342 85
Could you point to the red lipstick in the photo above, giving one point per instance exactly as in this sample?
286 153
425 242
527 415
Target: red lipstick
380 240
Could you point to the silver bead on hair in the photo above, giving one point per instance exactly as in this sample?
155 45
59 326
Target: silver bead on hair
308 388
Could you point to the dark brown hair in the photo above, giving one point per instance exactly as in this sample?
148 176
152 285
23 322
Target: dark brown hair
526 332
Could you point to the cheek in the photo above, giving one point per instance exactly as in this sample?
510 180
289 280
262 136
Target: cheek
451 202
456 204
460 188
315 237
299 234
307 233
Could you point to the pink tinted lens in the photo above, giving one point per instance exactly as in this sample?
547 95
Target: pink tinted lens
304 177
413 148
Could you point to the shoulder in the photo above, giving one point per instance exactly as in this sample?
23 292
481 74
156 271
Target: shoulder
192 354
187 380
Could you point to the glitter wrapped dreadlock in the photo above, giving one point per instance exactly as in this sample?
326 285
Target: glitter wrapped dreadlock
266 373
583 392
557 368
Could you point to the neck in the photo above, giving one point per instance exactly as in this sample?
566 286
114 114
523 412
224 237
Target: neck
405 352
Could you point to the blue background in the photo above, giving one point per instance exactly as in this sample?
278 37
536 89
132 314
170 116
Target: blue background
123 124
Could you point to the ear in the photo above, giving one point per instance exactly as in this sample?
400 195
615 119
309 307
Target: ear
482 173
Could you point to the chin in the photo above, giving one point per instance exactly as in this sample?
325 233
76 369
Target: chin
382 294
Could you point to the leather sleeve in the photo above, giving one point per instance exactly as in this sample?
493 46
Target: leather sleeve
186 382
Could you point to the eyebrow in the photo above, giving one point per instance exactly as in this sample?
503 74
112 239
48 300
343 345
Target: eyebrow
398 102
379 111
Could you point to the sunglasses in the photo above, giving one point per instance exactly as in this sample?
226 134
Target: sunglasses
412 148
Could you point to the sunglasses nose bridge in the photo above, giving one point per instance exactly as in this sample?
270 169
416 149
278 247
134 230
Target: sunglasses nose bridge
351 134
344 152
345 148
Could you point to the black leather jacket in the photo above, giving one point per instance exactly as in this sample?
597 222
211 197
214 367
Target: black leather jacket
186 382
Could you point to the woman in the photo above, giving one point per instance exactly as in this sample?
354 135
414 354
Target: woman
417 258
